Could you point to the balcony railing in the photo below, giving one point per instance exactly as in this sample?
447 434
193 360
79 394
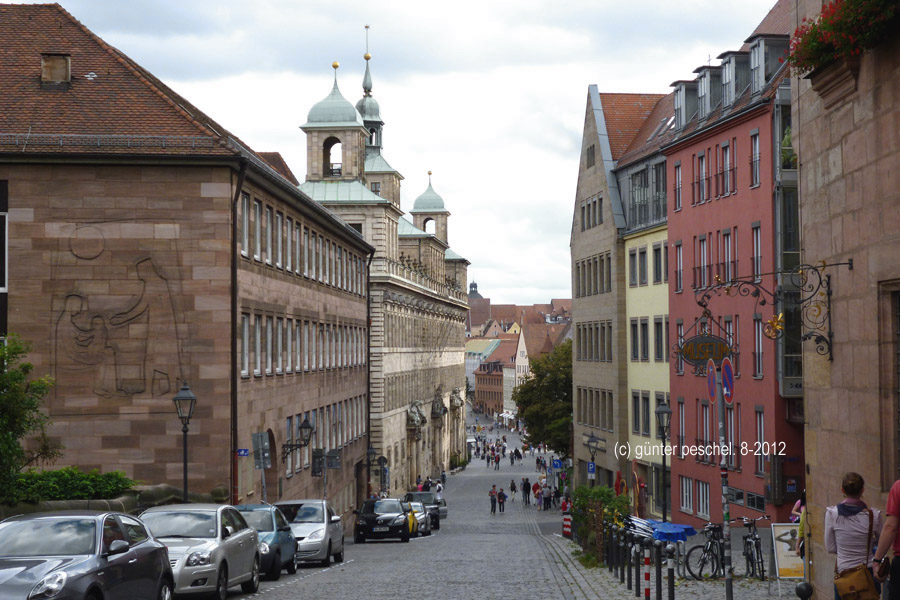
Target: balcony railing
646 210
726 181
335 169
417 276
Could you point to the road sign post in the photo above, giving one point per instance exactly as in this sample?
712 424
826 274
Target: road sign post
728 381
592 470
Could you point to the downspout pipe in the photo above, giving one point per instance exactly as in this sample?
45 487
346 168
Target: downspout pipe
369 370
242 172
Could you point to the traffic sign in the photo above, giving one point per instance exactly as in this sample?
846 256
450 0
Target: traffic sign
557 464
592 470
243 452
711 379
727 381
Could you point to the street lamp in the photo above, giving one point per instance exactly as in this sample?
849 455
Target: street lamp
306 431
593 444
185 400
663 418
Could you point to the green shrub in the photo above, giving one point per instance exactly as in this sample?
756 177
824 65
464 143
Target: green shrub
69 483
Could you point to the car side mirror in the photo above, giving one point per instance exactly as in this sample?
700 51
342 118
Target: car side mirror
117 547
227 532
285 528
335 519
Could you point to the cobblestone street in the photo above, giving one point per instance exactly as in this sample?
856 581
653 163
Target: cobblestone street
479 555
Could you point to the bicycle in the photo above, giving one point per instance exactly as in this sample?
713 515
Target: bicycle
753 554
706 560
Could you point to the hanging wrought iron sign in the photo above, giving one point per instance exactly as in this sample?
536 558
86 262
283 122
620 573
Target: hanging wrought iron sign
699 349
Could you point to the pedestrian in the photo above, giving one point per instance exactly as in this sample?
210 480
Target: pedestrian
439 491
426 485
890 540
493 495
419 486
443 477
512 490
537 464
849 529
501 499
538 498
496 462
526 491
512 459
547 496
556 497
418 479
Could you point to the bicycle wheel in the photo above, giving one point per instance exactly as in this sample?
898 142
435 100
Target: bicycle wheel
701 562
749 561
760 561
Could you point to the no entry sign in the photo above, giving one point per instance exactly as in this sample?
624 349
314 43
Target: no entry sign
727 381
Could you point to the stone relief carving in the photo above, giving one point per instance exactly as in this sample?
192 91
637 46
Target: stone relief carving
456 400
415 416
118 345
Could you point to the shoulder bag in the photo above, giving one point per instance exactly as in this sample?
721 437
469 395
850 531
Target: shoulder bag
857 583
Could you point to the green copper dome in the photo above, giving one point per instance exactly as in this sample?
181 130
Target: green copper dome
429 201
333 111
367 105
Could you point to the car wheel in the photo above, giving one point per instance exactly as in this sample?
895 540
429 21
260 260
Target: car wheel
327 560
428 531
436 523
292 565
165 590
339 557
250 587
274 572
404 537
221 591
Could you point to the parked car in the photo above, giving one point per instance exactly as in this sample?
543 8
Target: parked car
277 544
423 519
211 547
429 499
318 529
381 518
442 508
82 554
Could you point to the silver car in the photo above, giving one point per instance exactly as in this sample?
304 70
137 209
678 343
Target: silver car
211 547
318 529
423 519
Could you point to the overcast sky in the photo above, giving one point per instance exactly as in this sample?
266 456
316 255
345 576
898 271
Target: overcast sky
489 95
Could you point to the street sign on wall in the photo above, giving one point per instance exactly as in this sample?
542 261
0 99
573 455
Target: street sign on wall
592 470
727 381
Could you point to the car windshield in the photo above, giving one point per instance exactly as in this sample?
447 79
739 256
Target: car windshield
48 537
382 506
417 506
303 513
260 520
194 524
423 497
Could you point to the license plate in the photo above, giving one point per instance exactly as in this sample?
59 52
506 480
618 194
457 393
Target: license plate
377 529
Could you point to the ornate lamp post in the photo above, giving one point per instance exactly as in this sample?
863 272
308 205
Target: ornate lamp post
593 444
663 418
185 400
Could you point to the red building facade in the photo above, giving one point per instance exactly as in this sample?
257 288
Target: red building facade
731 209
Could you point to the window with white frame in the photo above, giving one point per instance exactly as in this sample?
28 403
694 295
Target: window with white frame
677 201
679 362
245 345
726 170
727 257
298 246
288 345
269 344
245 225
289 244
728 81
257 230
754 160
257 346
704 277
756 72
307 346
279 240
701 170
289 438
760 441
679 107
703 499
758 346
757 252
679 268
681 441
686 485
269 232
306 251
703 94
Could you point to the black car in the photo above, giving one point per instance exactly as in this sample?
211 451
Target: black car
382 518
82 554
432 504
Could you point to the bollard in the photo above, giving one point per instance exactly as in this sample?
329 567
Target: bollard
670 567
637 567
622 556
803 590
630 538
615 549
657 549
609 550
646 544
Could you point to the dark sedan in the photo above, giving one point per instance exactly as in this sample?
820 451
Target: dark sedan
432 504
378 519
82 554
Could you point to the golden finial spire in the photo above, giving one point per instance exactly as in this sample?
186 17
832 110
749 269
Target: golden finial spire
367 56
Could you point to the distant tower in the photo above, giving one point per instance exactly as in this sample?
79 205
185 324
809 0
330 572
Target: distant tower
430 207
473 291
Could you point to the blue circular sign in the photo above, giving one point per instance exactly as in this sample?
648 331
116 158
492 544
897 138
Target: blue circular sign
711 379
727 381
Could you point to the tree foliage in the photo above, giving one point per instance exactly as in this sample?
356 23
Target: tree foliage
23 423
545 400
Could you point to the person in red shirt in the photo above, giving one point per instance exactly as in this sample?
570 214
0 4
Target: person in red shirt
890 540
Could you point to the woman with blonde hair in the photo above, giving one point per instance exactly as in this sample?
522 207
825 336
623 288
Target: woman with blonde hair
851 527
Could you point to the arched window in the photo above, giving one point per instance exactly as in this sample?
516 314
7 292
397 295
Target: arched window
332 157
430 226
373 137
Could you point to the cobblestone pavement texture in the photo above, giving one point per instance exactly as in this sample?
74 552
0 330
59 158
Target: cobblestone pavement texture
519 553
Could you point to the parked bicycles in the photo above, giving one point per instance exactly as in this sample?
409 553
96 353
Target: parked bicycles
707 560
753 554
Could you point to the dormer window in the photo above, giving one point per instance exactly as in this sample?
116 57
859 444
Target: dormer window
757 79
703 94
55 69
685 102
679 107
728 81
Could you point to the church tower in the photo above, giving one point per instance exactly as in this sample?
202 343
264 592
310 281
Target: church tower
381 177
335 139
429 207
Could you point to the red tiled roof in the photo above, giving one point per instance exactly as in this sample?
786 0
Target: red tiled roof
111 106
624 114
505 352
505 313
776 22
656 125
276 161
479 311
541 339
